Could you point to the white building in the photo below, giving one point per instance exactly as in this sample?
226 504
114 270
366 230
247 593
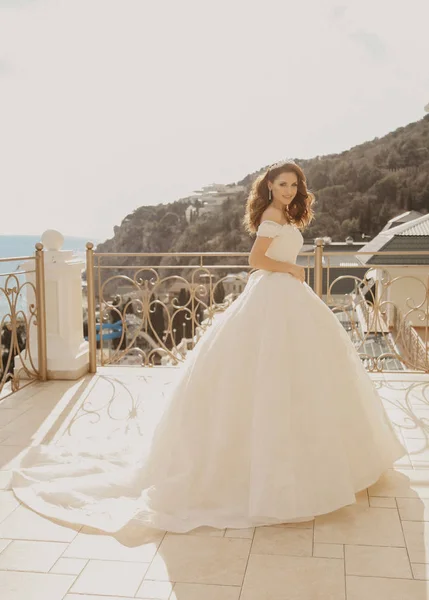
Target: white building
210 197
402 281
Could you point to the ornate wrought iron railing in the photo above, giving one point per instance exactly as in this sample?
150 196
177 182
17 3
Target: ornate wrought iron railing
163 302
22 311
386 310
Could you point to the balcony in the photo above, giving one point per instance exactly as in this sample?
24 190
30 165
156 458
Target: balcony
376 548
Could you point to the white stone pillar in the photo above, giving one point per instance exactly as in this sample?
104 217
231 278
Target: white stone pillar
67 351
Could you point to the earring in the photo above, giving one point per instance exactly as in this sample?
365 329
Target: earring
269 195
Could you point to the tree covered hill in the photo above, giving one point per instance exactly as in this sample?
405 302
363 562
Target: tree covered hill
357 192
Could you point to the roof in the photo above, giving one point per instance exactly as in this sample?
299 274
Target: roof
399 243
412 235
405 217
343 246
417 229
341 258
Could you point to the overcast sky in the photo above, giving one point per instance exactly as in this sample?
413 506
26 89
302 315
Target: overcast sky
107 105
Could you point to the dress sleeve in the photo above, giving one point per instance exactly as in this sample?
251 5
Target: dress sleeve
269 229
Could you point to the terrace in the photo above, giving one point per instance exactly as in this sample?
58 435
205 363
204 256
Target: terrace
62 387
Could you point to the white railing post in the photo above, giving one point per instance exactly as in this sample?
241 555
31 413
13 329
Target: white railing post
67 353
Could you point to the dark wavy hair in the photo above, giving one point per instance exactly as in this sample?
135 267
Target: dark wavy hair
299 212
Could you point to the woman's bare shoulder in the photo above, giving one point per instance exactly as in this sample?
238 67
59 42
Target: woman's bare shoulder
272 214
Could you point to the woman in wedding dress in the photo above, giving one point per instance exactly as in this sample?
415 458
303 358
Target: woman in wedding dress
273 418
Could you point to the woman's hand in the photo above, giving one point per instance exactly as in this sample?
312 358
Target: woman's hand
298 272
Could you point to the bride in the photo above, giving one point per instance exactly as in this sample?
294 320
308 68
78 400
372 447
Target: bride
273 418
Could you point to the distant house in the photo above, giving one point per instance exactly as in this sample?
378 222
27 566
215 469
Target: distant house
221 189
401 281
234 284
412 233
408 236
209 198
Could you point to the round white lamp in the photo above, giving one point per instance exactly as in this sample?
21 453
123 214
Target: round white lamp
52 239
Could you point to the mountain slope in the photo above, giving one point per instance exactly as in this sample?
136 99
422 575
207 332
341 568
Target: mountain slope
357 192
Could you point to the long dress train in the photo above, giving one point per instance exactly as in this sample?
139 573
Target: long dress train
273 419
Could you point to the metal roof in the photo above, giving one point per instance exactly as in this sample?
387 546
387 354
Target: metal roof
413 235
418 229
406 243
405 217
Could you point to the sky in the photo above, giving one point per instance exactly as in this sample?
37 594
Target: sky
108 105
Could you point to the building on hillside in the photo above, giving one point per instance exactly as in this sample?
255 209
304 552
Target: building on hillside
209 198
221 189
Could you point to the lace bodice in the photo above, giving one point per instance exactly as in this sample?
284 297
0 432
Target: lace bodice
287 240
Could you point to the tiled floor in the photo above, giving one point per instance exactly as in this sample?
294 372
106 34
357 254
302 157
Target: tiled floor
375 549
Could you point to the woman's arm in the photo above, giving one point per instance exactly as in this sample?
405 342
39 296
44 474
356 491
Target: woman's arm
258 260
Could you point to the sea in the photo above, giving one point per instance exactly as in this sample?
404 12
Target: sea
24 245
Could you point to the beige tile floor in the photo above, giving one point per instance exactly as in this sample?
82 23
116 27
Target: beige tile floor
375 549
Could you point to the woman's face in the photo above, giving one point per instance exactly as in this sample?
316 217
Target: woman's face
284 189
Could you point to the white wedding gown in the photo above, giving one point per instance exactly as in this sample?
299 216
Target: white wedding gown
273 419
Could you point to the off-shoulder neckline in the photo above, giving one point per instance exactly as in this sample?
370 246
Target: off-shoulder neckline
279 224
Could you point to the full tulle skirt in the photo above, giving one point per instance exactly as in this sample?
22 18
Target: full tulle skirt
272 419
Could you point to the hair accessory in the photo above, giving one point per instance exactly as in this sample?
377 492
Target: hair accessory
280 163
